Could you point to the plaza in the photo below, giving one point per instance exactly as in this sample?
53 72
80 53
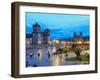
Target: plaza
44 56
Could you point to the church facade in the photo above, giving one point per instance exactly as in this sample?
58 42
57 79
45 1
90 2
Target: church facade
39 37
78 37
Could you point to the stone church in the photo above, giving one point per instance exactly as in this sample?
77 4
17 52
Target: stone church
39 37
78 37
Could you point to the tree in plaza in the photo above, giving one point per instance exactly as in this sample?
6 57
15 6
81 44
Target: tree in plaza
62 50
78 51
65 50
59 51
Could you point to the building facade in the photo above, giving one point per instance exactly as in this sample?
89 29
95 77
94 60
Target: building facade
78 37
39 37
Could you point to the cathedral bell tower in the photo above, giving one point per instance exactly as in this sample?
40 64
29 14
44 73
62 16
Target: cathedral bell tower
36 27
46 36
36 35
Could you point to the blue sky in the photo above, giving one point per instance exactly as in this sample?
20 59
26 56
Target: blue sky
61 25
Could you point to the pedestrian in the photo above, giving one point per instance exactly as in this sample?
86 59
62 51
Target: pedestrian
48 54
31 54
38 54
26 63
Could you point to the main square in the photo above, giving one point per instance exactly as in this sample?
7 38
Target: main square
54 39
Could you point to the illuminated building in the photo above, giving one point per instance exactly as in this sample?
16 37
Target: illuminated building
39 37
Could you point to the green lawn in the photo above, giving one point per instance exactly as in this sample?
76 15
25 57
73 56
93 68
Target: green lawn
82 57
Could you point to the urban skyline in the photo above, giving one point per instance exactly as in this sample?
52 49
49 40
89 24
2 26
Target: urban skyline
61 26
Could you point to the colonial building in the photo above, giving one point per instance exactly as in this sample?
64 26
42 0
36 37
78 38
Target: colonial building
78 37
39 37
80 40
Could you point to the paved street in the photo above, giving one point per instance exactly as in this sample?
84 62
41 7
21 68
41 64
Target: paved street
43 56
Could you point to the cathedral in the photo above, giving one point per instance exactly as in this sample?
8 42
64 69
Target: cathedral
78 37
39 37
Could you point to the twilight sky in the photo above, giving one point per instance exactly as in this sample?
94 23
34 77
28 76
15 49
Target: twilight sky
61 26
